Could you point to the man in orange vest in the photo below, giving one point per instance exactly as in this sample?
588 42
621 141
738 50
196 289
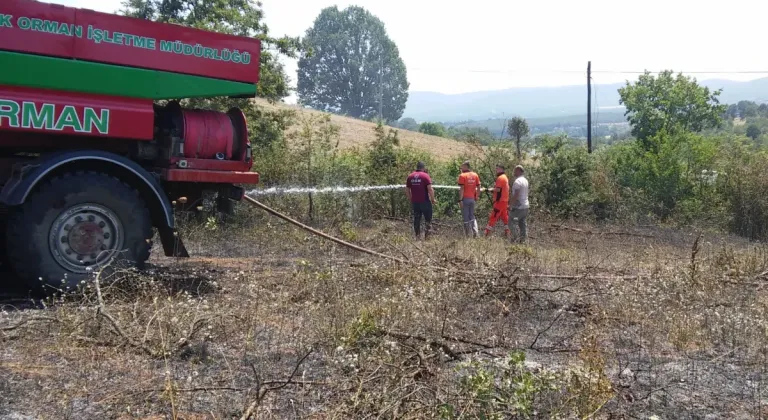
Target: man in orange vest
469 193
500 202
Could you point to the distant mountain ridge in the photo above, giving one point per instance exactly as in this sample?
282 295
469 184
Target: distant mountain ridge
545 102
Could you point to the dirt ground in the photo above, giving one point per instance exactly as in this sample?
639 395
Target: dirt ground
267 321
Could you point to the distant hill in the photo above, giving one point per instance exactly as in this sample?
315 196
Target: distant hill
548 102
541 125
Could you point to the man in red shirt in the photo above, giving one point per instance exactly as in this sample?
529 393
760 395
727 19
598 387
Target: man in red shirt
418 188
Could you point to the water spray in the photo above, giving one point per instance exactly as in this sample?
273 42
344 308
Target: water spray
333 190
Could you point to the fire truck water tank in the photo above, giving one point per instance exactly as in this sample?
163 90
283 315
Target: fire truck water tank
208 134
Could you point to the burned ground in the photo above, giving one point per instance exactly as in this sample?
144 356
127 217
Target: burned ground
271 322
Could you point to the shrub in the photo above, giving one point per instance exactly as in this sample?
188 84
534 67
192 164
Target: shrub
562 180
744 187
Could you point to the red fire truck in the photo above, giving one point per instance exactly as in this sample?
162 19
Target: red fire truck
90 164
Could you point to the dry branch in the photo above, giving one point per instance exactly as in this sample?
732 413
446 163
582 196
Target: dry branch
589 232
28 321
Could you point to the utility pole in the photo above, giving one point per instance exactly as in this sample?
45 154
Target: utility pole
589 107
381 93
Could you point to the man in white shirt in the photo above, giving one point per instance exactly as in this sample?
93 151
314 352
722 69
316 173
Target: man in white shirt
518 206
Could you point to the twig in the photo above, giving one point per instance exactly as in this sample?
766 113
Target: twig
279 385
559 314
102 311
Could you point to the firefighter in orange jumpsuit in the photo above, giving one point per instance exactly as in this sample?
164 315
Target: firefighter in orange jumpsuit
500 202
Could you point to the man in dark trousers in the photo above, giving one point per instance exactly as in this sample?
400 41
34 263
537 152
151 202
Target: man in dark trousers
418 188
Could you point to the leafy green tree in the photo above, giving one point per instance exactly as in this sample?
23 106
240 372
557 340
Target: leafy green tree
753 132
763 110
353 67
747 109
433 129
480 135
242 18
408 124
669 104
236 17
518 129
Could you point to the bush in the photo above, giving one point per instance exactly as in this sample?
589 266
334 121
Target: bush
666 176
433 129
563 180
744 188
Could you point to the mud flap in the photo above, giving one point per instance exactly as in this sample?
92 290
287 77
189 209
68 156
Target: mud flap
172 243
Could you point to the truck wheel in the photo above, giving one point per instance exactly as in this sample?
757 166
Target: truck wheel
75 225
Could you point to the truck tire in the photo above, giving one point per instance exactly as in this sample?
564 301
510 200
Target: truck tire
75 225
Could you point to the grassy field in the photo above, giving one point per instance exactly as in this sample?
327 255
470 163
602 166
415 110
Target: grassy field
267 321
359 133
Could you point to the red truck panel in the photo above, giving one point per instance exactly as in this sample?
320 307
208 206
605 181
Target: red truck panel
35 110
48 29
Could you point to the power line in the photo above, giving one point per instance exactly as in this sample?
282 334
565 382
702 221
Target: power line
504 71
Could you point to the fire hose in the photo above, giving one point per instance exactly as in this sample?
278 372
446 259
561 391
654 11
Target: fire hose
321 234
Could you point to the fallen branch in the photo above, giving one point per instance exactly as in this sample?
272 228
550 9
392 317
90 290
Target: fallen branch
589 232
465 341
581 277
232 388
28 321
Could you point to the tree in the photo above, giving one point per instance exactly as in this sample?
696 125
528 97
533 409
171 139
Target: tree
747 109
753 132
408 124
518 128
433 129
352 67
669 104
236 17
242 18
763 110
316 140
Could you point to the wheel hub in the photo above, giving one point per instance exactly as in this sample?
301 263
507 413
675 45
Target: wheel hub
85 236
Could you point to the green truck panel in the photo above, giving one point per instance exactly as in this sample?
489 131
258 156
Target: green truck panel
104 79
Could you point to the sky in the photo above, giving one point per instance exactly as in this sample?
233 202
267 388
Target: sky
488 45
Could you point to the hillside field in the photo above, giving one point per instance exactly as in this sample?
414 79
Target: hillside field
359 133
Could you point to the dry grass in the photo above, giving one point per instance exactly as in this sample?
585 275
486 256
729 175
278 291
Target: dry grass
270 322
358 133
